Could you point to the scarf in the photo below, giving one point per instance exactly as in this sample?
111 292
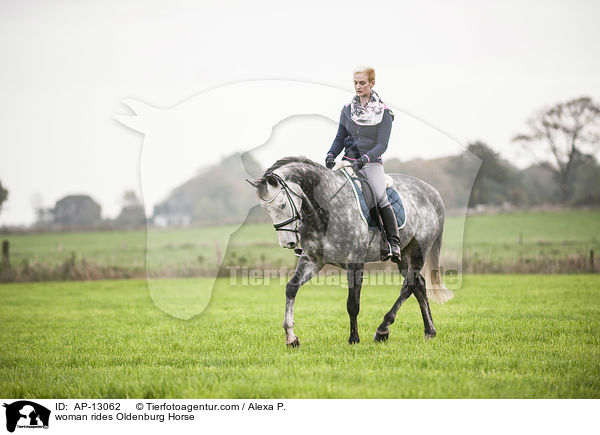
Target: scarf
371 114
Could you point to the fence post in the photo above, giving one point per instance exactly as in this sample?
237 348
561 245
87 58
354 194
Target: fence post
592 268
5 254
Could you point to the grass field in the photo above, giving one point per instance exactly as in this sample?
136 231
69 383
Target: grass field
500 337
525 241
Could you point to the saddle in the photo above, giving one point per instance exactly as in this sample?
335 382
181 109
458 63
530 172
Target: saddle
360 183
371 216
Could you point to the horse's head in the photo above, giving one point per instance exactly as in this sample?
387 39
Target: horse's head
282 200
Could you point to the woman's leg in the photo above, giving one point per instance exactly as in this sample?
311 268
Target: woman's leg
374 173
376 176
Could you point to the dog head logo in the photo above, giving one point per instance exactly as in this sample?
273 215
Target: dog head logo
26 414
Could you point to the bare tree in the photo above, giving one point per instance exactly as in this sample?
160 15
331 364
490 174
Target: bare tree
43 215
566 131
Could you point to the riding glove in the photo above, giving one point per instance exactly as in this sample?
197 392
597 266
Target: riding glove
329 161
359 163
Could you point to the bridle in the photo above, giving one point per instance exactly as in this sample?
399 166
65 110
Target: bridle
296 215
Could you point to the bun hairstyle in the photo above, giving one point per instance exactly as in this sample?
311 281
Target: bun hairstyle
370 72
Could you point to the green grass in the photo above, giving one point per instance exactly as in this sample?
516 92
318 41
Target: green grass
532 234
500 337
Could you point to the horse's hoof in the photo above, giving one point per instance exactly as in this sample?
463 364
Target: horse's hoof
354 340
295 343
429 335
379 336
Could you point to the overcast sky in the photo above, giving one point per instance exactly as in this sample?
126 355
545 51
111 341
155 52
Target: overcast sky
471 70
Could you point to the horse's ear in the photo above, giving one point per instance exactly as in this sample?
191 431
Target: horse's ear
272 180
253 183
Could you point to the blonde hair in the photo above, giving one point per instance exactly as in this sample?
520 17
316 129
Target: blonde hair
370 72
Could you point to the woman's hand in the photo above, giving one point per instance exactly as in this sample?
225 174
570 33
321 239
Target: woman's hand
329 161
359 163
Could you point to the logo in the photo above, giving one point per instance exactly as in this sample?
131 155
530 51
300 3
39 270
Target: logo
26 414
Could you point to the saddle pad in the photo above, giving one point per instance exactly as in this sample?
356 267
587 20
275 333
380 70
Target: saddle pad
393 197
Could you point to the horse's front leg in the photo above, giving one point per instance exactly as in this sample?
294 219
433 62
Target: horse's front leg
355 277
305 270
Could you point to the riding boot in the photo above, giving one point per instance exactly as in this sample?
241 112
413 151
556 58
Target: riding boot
390 224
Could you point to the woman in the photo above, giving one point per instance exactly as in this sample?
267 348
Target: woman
364 132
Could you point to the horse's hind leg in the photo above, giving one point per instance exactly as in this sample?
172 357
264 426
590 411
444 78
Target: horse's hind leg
305 270
383 330
420 293
355 277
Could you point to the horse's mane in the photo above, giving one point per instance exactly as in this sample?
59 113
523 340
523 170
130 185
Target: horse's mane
261 183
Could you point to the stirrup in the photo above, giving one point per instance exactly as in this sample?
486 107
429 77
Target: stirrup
386 255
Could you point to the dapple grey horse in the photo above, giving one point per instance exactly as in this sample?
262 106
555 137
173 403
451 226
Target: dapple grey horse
315 208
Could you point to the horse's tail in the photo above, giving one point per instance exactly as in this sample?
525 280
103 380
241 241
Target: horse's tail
436 290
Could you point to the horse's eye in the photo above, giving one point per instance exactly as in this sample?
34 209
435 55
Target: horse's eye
282 206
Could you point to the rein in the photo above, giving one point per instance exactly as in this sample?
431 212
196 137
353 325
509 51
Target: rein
296 215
